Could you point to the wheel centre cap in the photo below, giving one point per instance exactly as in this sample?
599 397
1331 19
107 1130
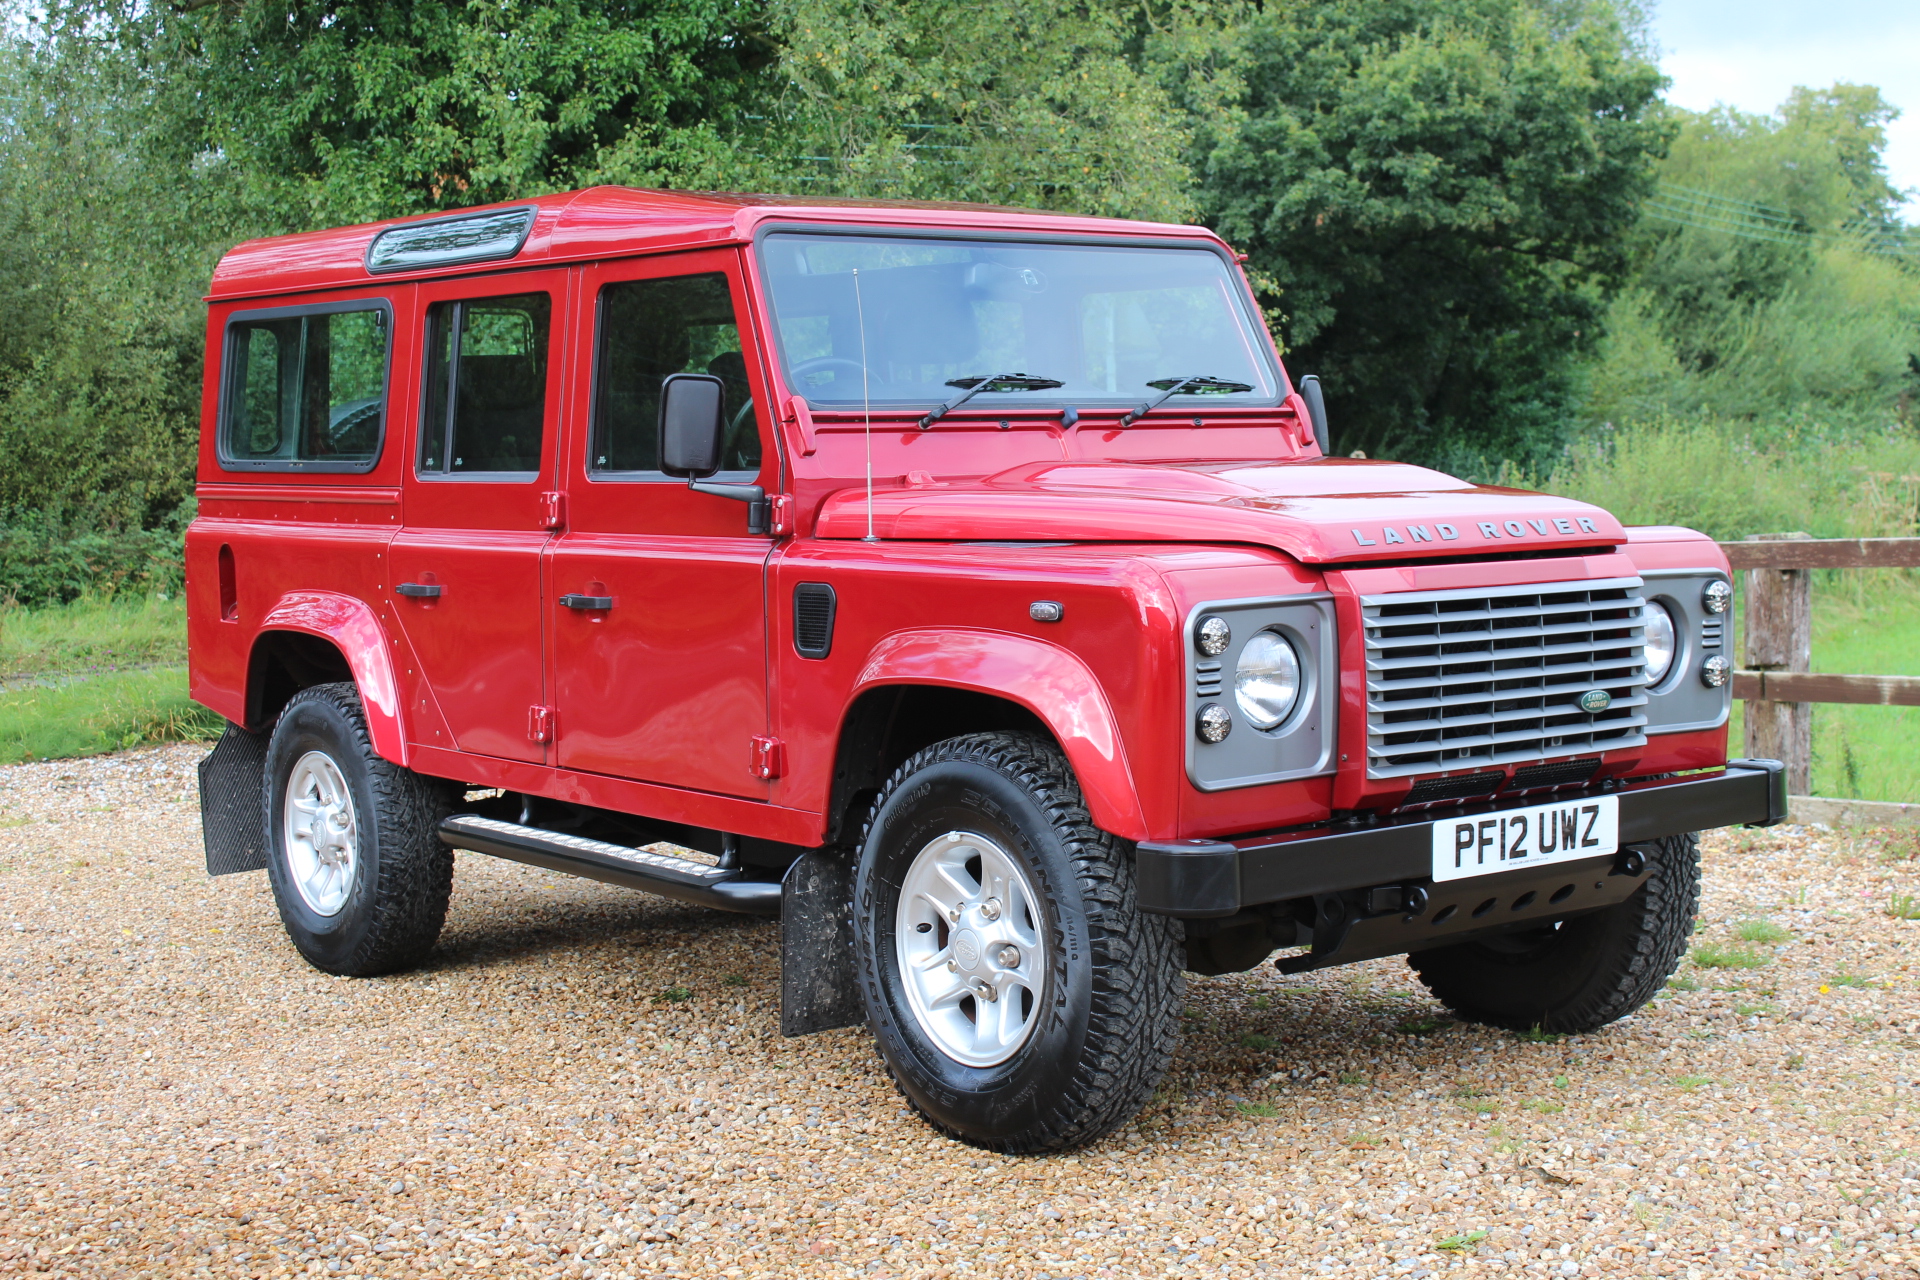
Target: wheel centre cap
966 949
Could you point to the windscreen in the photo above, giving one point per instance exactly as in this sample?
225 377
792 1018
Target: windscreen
1103 321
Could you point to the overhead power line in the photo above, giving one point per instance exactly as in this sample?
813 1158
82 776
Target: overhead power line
1751 220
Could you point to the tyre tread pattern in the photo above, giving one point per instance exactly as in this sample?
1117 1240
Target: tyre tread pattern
409 904
1138 987
1649 939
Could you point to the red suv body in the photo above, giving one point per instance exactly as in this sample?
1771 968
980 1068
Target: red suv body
432 468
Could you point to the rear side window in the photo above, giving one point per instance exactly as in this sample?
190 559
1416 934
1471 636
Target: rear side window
650 329
306 390
486 401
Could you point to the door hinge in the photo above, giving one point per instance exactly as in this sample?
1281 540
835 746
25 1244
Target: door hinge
553 510
539 724
768 757
780 515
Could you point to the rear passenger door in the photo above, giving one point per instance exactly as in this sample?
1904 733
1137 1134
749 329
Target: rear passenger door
659 630
479 501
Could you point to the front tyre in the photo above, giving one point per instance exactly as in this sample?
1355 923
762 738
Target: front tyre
1020 998
358 870
1580 974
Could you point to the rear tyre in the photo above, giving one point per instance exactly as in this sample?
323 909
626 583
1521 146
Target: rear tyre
1582 973
1020 998
358 870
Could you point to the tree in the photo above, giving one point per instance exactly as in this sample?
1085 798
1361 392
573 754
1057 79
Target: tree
342 111
1442 191
1019 102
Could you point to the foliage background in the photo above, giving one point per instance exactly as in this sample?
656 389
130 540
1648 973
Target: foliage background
1473 218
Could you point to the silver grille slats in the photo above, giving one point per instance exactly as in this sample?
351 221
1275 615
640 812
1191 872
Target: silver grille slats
1463 679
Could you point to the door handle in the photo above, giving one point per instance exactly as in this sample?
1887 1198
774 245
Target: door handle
587 602
420 590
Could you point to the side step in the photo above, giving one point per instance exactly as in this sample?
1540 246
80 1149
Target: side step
680 878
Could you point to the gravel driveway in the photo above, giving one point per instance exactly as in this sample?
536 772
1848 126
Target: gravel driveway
590 1082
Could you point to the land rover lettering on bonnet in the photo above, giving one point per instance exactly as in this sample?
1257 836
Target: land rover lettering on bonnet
972 589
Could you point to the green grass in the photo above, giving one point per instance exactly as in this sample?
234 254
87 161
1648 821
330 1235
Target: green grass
109 712
95 676
91 635
1710 956
1465 1240
1866 623
1765 931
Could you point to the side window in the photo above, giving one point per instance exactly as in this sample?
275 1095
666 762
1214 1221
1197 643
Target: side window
652 328
306 391
486 380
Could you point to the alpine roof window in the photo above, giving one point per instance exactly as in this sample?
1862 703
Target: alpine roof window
446 242
486 394
649 330
306 389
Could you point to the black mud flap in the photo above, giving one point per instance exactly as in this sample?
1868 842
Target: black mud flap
817 991
232 815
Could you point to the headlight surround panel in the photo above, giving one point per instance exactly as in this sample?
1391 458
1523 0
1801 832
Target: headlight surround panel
1302 745
1682 701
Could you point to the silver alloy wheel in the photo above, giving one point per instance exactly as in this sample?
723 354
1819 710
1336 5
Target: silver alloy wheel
321 836
972 955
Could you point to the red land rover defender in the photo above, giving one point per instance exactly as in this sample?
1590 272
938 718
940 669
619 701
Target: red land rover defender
972 585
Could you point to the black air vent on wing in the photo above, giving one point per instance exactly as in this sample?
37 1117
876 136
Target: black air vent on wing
813 606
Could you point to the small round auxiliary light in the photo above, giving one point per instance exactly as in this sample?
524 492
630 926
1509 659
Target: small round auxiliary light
1214 723
1717 596
1212 637
1714 671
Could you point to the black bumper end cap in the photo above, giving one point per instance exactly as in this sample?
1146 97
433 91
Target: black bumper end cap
1201 876
1776 771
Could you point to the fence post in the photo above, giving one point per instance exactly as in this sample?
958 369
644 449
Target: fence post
1779 637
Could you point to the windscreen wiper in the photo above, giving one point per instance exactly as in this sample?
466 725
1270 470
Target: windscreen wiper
998 382
1197 385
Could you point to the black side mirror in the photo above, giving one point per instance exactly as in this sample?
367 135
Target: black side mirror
692 423
1316 408
692 429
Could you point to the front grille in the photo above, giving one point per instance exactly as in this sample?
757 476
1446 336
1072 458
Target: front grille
1478 678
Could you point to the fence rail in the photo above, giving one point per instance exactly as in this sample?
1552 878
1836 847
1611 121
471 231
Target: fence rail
1777 682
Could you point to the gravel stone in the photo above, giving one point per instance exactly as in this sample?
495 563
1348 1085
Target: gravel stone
180 1095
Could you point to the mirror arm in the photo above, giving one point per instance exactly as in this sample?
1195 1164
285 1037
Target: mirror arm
759 509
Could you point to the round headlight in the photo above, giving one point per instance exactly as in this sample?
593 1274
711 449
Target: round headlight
1212 636
1214 724
1266 683
1659 640
1717 596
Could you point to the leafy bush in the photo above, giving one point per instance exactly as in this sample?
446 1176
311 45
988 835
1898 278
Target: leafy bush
46 561
1730 478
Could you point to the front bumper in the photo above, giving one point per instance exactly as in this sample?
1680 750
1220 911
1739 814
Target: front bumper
1211 879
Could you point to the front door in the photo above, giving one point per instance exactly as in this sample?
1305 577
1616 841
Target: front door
465 569
657 609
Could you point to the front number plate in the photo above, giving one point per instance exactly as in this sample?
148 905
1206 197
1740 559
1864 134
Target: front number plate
1536 836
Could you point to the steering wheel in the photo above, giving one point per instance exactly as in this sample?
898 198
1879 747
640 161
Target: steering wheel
820 363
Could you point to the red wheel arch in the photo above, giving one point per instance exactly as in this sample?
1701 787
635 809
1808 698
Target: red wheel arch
1049 681
351 626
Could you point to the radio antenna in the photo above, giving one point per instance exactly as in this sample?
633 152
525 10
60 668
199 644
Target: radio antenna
866 399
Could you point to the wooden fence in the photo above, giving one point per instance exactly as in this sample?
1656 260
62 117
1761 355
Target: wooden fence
1777 682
